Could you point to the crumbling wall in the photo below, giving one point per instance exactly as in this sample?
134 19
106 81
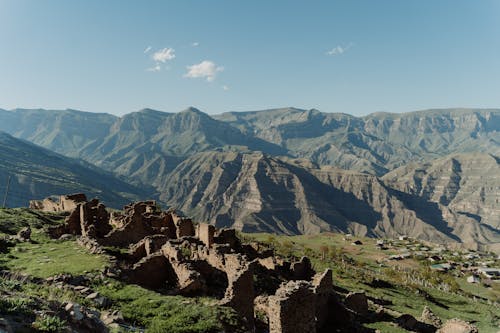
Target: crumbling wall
63 203
240 291
206 233
292 308
153 271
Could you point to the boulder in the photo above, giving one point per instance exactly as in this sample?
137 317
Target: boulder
24 234
357 302
457 326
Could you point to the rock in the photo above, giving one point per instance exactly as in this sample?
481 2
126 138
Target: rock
357 302
111 317
75 311
428 317
66 237
92 295
24 234
406 321
457 326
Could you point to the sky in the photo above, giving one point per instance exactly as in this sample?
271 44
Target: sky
350 56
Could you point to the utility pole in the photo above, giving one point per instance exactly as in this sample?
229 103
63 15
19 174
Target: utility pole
6 192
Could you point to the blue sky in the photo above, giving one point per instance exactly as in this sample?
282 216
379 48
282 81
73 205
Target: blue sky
347 56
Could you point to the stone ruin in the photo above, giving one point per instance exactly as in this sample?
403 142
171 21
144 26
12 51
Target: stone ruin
169 253
63 203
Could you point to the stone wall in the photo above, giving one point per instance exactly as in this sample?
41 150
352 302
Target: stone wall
292 308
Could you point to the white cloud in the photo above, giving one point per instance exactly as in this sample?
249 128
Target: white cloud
195 44
225 88
205 69
147 49
339 49
164 55
155 68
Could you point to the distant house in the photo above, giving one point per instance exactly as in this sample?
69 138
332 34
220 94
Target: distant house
403 238
473 279
380 242
490 273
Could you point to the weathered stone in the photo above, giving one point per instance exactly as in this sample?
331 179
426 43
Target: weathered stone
24 234
457 326
94 219
406 321
292 309
323 289
63 203
302 270
227 236
153 272
206 234
184 226
147 246
139 220
240 291
357 302
428 317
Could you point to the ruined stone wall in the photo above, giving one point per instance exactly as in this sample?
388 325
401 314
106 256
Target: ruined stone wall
292 309
63 203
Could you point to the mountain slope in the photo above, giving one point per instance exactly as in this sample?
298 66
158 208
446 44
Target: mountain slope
256 192
63 131
143 145
37 173
468 185
378 142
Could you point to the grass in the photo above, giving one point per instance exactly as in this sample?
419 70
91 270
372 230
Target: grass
49 257
352 261
175 314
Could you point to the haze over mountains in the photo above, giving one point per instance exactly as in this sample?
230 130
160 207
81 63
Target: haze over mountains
298 171
37 173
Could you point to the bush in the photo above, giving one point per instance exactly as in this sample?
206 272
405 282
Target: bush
49 324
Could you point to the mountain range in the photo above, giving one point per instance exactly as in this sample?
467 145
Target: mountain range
430 174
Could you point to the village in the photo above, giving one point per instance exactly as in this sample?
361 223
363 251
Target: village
472 265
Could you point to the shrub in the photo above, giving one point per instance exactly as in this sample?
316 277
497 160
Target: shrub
49 324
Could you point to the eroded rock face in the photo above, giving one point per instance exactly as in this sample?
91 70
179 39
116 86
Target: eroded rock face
292 309
457 326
